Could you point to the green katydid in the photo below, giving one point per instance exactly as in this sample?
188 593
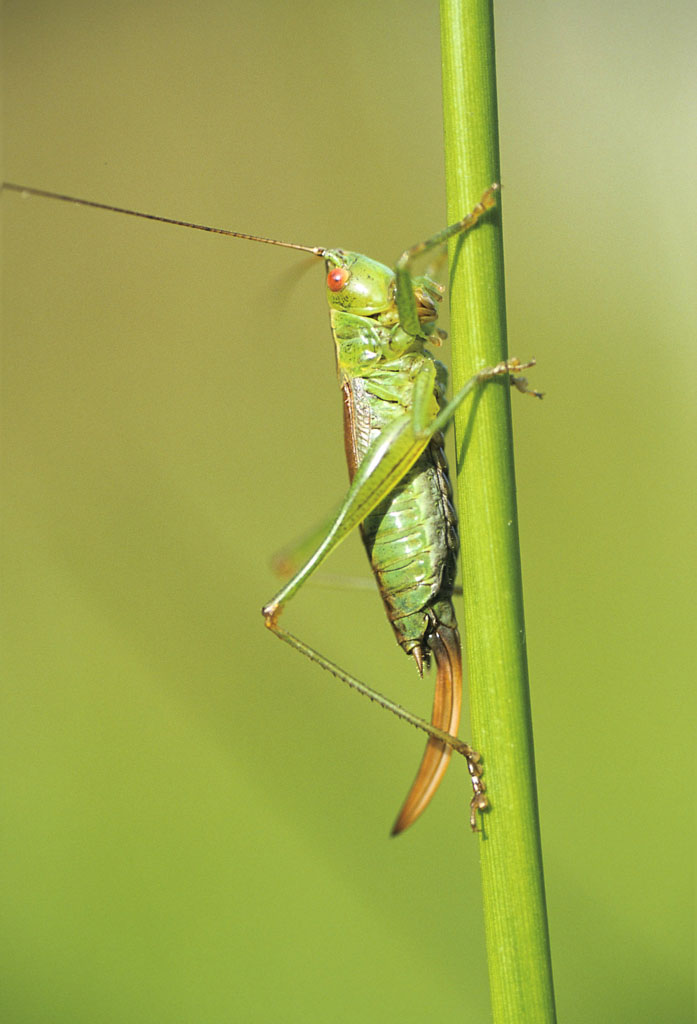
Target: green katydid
395 413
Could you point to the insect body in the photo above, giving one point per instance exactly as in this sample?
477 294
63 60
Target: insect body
395 411
411 535
400 494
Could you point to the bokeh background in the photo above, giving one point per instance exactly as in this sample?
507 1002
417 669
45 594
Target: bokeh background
196 820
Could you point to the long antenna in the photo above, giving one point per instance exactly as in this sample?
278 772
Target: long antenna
26 190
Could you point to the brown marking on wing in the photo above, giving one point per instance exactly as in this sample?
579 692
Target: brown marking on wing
350 446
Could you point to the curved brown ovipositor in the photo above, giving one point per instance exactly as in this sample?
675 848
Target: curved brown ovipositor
444 643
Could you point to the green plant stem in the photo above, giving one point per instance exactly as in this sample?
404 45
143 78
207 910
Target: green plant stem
517 935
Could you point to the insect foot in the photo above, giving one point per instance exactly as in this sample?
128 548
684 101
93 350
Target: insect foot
522 385
479 801
510 367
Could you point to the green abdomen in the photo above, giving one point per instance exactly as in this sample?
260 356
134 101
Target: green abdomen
411 537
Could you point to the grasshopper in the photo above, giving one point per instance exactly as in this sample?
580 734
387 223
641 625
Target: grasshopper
395 412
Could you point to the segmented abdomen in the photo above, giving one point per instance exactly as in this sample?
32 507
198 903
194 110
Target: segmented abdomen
411 537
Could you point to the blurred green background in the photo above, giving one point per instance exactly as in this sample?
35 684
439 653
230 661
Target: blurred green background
196 819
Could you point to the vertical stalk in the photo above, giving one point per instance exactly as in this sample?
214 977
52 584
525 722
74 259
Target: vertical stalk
520 971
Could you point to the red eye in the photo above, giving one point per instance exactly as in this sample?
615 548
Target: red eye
337 278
